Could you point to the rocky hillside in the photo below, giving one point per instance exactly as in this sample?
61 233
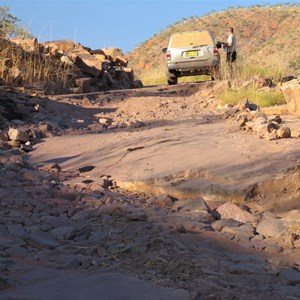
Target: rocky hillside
267 40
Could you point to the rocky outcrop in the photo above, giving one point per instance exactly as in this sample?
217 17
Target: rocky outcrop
63 66
108 66
291 91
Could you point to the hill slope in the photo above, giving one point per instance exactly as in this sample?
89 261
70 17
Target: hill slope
268 40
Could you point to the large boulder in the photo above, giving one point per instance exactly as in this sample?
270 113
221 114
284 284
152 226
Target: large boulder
291 92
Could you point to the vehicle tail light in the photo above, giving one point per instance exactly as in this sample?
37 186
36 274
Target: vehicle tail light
216 52
168 55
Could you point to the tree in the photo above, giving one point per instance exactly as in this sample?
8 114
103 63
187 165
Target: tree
9 26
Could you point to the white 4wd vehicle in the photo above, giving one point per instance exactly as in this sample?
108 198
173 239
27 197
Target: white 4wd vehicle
191 53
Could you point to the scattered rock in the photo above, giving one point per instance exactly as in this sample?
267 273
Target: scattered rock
40 240
84 84
18 135
292 276
86 169
220 224
284 132
197 205
4 284
270 226
273 249
232 211
63 233
161 201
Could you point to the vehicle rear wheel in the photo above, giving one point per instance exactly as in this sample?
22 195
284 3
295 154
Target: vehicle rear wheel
171 78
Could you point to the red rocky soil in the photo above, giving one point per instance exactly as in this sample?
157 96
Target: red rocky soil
154 193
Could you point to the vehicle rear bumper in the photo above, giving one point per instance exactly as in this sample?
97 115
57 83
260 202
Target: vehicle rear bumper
194 68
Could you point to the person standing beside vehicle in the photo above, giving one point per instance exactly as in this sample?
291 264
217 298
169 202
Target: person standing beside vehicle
230 46
230 49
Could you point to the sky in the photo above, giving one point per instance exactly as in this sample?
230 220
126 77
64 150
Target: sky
110 23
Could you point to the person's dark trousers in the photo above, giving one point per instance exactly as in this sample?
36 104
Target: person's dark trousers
231 56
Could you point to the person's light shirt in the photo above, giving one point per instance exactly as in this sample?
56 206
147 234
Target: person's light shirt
231 40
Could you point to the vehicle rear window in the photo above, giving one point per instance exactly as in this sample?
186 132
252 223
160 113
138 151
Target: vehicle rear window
194 38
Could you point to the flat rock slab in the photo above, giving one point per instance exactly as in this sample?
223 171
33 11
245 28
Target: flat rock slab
77 286
195 158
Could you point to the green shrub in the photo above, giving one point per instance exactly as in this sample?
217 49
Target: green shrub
261 98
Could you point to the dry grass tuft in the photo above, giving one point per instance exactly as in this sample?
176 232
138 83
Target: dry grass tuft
31 69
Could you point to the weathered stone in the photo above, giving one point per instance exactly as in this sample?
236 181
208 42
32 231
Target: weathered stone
101 57
4 145
84 84
245 230
18 135
197 205
258 114
86 169
271 226
14 144
40 240
136 215
288 78
243 104
66 60
292 276
60 45
85 61
231 112
26 44
291 92
273 126
122 61
3 136
270 136
273 248
95 127
7 241
15 74
19 252
112 209
22 109
276 119
243 121
195 216
262 129
263 82
4 284
246 268
45 127
105 121
220 224
161 201
16 229
63 233
295 134
191 226
113 52
27 147
232 211
284 132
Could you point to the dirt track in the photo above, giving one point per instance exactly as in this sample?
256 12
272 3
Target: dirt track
154 141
